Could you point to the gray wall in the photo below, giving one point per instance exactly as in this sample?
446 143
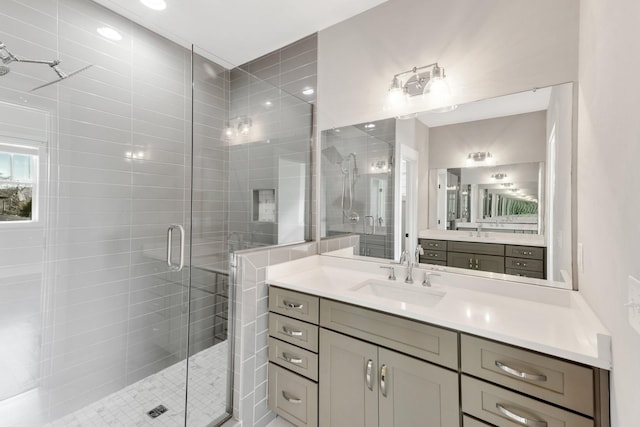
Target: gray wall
281 131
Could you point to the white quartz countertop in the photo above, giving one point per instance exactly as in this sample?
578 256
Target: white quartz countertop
485 237
552 321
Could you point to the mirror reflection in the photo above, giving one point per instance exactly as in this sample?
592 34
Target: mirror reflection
494 186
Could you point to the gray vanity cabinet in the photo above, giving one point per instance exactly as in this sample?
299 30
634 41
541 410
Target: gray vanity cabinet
367 385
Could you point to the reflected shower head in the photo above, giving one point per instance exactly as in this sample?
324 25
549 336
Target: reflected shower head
4 70
332 154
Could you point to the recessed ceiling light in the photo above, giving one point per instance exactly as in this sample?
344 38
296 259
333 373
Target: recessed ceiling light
308 91
369 126
155 4
109 33
268 104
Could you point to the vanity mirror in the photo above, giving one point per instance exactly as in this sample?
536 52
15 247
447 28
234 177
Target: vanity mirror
488 187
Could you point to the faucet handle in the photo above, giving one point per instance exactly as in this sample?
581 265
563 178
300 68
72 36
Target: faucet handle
427 278
392 273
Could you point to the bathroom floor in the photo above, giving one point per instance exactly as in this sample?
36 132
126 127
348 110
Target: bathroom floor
129 406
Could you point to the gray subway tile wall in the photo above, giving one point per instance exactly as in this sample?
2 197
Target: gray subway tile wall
119 144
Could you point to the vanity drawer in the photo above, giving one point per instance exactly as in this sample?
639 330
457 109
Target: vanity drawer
525 273
502 407
477 248
472 422
294 331
417 339
431 255
554 380
531 252
294 304
524 264
293 397
491 263
294 358
439 245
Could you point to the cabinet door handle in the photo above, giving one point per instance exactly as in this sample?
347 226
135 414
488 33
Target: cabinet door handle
519 419
470 262
383 380
291 359
369 372
520 374
292 306
291 332
289 398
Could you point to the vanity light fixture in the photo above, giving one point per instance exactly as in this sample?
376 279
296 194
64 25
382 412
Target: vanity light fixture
428 79
499 175
155 4
507 184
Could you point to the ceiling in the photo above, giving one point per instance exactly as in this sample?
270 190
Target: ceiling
233 32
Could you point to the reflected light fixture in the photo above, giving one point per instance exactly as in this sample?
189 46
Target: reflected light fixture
499 175
479 156
238 126
155 4
308 91
109 33
426 80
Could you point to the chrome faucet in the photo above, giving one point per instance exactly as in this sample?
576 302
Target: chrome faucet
427 278
406 258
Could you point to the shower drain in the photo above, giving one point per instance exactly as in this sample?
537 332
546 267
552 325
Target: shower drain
157 411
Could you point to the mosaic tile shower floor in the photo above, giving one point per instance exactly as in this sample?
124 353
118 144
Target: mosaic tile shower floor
129 406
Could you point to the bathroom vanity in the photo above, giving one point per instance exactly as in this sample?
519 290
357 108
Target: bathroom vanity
349 347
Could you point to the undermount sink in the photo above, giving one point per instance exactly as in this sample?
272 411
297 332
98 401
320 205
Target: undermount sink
409 294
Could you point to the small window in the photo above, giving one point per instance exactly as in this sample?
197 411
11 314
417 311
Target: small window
18 180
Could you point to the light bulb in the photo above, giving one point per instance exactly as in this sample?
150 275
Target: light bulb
396 96
155 4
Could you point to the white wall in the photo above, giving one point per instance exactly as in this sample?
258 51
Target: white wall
487 48
511 139
608 182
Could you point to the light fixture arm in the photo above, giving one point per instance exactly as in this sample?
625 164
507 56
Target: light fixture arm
415 70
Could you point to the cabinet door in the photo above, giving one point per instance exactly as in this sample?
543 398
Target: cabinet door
476 262
347 398
416 393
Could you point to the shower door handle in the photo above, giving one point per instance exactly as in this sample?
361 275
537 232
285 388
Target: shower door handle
170 263
373 225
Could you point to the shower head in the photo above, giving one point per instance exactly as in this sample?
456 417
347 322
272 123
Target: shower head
4 70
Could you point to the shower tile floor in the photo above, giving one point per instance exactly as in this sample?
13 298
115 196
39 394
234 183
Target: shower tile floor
128 407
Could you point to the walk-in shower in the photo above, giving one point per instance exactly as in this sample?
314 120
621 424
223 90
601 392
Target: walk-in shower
103 319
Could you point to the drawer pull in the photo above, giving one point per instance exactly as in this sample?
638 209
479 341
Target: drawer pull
291 332
520 374
524 264
292 306
290 399
368 374
519 419
383 380
294 360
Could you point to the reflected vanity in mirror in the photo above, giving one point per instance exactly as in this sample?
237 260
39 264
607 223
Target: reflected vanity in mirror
493 186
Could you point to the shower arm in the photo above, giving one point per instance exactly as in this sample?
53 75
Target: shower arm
53 64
